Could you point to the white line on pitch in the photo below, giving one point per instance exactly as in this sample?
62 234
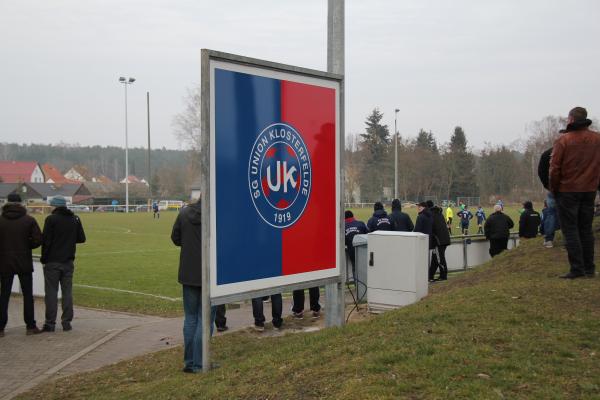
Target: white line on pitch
129 291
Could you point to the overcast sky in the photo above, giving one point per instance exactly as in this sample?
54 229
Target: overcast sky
489 66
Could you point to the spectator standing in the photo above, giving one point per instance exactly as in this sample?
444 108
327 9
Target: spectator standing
353 227
529 221
424 224
401 221
550 222
187 234
574 180
449 216
480 214
465 217
441 237
259 316
19 234
380 221
497 230
298 302
62 232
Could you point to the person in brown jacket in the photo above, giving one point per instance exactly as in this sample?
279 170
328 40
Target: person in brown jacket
19 233
574 179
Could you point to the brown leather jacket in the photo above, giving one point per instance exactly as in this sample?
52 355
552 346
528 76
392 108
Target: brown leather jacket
575 162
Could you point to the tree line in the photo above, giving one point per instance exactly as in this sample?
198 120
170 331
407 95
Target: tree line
428 169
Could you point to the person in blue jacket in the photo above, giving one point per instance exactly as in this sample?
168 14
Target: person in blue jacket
465 217
480 214
353 227
380 221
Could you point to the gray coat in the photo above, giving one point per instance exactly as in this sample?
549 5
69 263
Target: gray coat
187 233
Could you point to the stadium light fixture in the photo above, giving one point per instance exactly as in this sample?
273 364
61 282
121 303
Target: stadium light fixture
125 83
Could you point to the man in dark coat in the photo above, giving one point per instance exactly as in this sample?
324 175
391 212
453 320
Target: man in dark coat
187 233
380 221
497 230
441 238
574 180
424 223
62 231
19 234
353 227
401 221
529 222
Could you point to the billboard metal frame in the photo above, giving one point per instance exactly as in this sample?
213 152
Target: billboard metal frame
207 57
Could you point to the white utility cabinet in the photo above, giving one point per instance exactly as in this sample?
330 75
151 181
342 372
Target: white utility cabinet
397 269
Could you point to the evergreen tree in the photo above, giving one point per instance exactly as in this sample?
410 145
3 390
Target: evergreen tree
460 167
375 153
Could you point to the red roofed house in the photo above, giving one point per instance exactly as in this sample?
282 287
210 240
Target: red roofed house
21 172
53 175
131 179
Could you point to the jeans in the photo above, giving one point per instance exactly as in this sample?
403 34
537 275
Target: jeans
276 310
550 219
576 213
55 273
26 281
298 296
192 327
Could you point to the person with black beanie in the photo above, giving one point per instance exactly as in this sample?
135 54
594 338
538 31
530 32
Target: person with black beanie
19 234
401 221
380 221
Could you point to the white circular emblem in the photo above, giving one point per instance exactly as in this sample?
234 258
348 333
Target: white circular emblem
279 175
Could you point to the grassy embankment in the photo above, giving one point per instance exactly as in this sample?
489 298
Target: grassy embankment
134 252
509 329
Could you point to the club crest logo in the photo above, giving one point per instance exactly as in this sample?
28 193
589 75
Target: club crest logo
279 175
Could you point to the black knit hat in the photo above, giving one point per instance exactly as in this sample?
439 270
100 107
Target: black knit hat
378 206
429 203
348 214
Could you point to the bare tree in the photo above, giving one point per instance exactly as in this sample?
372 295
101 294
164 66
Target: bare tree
187 124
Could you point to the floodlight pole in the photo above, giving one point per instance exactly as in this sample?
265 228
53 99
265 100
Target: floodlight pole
335 305
148 156
396 153
125 83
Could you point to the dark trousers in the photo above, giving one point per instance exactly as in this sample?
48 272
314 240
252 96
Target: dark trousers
438 260
576 212
55 274
497 246
276 310
6 283
220 320
314 295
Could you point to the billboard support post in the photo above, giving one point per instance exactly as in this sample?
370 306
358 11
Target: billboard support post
205 195
335 305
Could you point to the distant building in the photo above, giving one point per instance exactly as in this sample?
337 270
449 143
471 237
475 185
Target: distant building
6 189
131 179
102 179
75 175
75 193
20 171
53 174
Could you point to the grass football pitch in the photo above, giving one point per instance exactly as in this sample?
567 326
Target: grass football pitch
129 263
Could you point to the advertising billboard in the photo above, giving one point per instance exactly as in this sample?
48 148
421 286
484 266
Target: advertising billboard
275 208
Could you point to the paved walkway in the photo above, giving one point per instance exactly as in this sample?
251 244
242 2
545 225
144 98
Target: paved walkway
98 338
